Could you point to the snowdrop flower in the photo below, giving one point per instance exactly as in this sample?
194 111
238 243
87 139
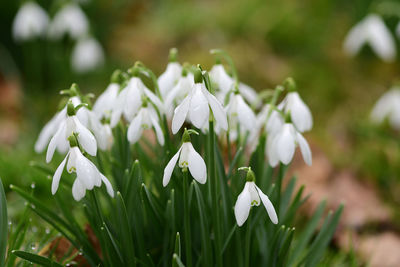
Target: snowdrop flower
87 55
145 119
300 113
170 77
251 196
282 145
388 106
87 175
220 77
240 113
188 158
102 132
68 127
129 100
196 107
105 102
178 92
31 21
249 94
373 31
54 124
69 20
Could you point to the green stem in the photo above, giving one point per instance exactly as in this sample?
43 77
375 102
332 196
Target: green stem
281 174
247 243
214 189
228 146
188 241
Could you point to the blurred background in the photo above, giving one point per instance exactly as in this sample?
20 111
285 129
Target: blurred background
355 162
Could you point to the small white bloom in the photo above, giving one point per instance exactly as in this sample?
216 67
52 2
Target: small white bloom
129 100
169 78
249 94
388 106
373 31
178 93
145 119
219 76
87 174
105 102
240 113
188 158
299 112
69 20
101 131
67 127
30 22
283 145
251 196
196 106
87 55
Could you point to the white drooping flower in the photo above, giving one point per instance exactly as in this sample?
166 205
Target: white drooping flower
129 100
178 93
54 124
373 31
196 108
69 20
87 55
388 107
105 102
101 131
87 174
68 127
30 22
188 158
282 145
240 115
169 78
145 119
251 196
299 111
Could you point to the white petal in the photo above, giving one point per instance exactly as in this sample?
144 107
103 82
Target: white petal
85 138
135 128
86 172
54 142
381 39
48 130
199 110
270 149
268 206
304 148
180 114
255 198
78 190
155 100
243 205
170 168
299 112
108 185
57 175
285 144
246 116
133 99
217 109
157 128
197 166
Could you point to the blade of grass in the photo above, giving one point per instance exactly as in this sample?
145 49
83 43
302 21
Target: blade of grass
43 261
3 225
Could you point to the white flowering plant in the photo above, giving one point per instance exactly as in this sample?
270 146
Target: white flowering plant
119 161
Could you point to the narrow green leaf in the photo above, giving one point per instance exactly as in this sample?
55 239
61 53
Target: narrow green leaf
3 225
149 199
178 250
43 261
177 260
228 239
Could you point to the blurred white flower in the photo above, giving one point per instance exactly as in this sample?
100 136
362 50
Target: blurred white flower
87 55
87 174
196 107
299 112
240 116
388 106
251 196
68 127
169 78
145 119
282 145
178 93
105 102
188 158
70 20
220 77
373 31
30 22
129 100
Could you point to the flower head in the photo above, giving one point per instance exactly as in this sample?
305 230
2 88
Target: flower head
373 31
105 102
252 196
87 55
188 159
30 22
169 78
388 106
239 113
